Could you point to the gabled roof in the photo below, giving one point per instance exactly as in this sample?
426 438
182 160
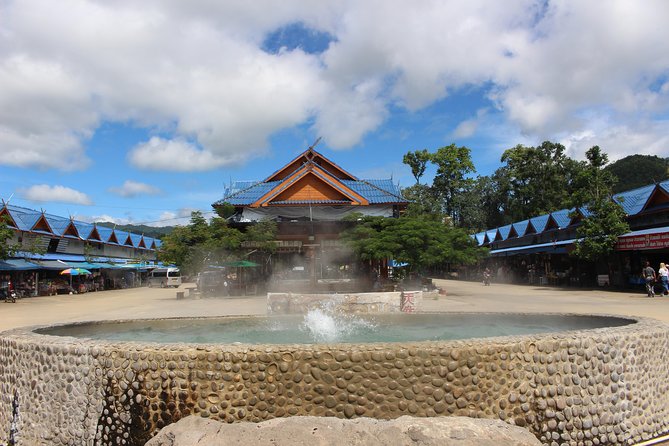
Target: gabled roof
490 235
521 227
635 200
136 239
539 223
504 232
480 237
24 218
310 156
311 179
310 183
562 217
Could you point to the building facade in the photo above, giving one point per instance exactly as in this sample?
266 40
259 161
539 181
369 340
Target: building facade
46 245
310 199
538 250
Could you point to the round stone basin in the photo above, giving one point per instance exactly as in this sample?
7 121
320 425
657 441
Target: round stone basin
322 327
567 379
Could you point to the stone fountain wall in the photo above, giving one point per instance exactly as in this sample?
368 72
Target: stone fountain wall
349 303
602 386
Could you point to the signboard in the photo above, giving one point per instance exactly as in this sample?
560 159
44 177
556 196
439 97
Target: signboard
407 302
643 242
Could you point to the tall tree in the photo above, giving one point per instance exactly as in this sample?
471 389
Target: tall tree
605 220
423 201
454 164
539 178
417 161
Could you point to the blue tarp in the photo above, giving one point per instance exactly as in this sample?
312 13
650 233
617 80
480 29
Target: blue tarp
17 265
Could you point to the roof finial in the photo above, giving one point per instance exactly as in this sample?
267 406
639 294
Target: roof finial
311 147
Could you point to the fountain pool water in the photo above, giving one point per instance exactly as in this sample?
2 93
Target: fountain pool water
323 326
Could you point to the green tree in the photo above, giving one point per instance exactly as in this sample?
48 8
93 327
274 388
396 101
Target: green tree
423 201
417 241
638 170
6 234
451 181
605 221
417 161
539 179
200 243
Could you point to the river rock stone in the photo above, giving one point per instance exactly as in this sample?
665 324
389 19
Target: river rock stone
314 431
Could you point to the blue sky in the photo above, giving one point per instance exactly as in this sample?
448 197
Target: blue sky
140 112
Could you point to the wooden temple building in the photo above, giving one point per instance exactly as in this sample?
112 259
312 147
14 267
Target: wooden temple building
309 198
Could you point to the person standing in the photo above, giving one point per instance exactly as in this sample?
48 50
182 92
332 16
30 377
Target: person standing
649 277
663 272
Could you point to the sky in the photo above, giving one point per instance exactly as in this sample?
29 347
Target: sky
143 111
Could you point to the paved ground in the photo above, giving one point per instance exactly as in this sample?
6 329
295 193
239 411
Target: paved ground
461 296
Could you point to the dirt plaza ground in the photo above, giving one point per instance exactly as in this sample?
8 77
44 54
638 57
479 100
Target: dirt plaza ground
460 297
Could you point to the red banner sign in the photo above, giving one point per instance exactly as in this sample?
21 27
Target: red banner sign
641 242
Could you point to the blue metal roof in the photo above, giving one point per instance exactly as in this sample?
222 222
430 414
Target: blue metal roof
480 237
105 233
24 218
521 227
491 234
246 192
634 200
84 229
504 231
375 191
562 218
539 223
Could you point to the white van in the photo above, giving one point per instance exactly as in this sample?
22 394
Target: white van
165 277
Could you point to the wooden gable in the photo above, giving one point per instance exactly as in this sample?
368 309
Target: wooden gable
94 235
551 224
141 243
71 230
313 185
4 214
310 157
512 233
112 238
530 229
128 241
659 197
42 225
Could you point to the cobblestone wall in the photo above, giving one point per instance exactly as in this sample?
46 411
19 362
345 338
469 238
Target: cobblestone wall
603 386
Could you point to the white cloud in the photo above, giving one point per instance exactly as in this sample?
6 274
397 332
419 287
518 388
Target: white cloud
62 194
175 155
132 188
103 218
196 71
179 217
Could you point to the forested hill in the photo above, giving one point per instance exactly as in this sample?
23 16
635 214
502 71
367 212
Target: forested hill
149 231
638 170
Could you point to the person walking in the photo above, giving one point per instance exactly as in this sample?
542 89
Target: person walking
663 272
649 276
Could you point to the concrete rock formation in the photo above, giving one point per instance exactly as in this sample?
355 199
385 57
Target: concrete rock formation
317 431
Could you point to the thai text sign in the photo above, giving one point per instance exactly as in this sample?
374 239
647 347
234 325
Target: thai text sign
647 241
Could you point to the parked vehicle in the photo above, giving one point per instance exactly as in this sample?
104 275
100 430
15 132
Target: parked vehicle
165 277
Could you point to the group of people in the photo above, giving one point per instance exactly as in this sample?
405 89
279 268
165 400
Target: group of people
652 278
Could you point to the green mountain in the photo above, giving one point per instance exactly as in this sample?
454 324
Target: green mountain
638 170
149 231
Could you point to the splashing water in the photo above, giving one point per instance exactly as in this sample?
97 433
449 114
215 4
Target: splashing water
326 326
